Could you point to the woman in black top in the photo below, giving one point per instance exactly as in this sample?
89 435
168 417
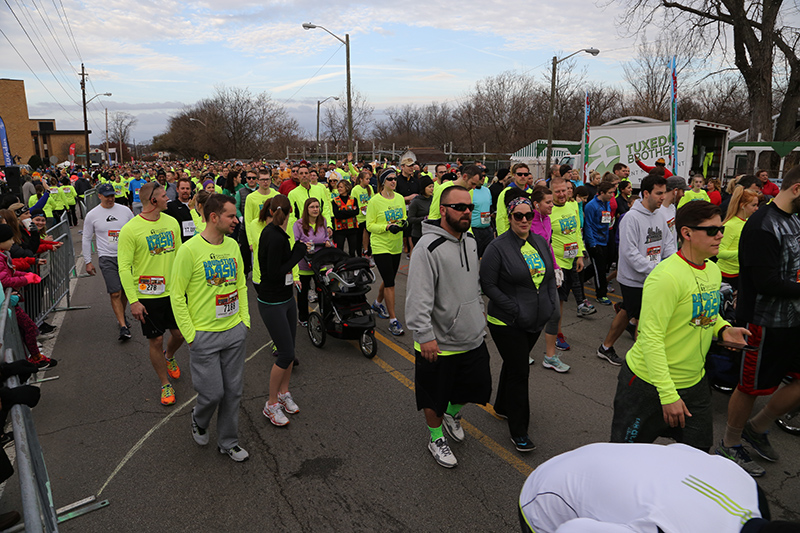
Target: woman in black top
277 306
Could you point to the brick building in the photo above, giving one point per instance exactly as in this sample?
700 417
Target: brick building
27 136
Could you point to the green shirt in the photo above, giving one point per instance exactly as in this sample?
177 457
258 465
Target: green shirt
146 251
433 213
679 318
728 256
690 195
382 211
252 209
501 219
208 288
535 263
297 199
362 196
567 241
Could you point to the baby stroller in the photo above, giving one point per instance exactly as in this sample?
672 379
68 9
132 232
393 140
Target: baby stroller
342 283
722 364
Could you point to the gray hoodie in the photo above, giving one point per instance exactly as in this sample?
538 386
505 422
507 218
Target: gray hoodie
645 240
443 301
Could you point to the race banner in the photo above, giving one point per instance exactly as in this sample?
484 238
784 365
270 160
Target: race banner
673 118
7 160
586 110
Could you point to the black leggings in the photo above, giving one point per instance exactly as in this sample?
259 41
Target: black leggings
302 297
281 322
388 265
349 235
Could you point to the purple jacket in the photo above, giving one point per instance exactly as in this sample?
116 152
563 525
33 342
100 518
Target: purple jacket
318 237
540 225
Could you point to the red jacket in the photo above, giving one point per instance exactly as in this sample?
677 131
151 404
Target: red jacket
667 172
770 189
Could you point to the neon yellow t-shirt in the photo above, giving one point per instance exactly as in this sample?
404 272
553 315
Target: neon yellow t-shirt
199 223
501 219
567 241
257 227
208 288
252 209
728 256
433 213
382 211
146 251
69 194
297 199
119 188
441 353
690 195
535 263
48 206
362 196
678 321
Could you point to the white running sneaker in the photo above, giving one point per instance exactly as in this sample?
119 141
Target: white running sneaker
275 414
441 452
285 399
453 426
236 453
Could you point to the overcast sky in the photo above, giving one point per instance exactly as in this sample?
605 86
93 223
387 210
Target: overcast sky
156 57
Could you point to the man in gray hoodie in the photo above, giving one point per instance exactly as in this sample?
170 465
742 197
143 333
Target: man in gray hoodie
645 240
444 310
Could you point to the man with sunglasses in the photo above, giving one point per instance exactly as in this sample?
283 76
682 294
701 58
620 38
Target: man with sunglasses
470 178
250 185
662 389
445 313
769 306
253 203
521 179
146 252
180 211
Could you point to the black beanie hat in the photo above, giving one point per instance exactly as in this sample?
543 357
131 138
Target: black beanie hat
5 232
424 181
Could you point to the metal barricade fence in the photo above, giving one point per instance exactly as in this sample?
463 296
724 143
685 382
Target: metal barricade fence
38 509
90 200
41 299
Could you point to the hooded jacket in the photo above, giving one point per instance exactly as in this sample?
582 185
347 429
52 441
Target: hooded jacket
541 225
443 302
645 240
506 280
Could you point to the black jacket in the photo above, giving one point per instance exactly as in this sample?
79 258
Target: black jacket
506 281
180 212
276 259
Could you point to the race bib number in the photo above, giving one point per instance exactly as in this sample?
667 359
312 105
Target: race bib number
571 250
113 235
289 279
227 304
654 253
605 217
188 228
152 285
486 218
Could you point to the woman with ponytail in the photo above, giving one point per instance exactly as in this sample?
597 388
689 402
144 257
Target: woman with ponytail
743 204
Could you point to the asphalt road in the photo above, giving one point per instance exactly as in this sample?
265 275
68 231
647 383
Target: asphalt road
354 458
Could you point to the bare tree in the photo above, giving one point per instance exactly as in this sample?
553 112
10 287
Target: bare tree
757 28
120 126
334 120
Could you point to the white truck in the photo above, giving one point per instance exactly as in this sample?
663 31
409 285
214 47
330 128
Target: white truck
702 147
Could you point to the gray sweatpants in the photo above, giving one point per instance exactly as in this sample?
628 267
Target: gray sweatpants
217 362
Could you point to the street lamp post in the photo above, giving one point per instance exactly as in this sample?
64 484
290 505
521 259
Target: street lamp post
319 103
346 43
192 119
556 61
85 116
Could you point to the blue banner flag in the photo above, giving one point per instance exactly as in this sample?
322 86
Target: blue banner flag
7 160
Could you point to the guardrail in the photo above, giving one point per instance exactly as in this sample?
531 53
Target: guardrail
38 509
41 299
90 200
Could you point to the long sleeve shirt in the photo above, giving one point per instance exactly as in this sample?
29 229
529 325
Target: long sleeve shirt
597 219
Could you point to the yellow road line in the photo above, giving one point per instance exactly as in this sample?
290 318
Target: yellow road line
518 464
610 295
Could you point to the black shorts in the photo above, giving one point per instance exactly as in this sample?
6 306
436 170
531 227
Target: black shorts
632 298
159 317
778 356
638 415
460 378
387 265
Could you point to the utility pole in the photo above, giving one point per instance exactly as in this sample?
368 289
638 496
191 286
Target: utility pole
108 158
85 117
349 95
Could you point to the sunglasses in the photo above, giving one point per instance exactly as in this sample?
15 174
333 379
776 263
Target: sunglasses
390 179
519 217
461 207
523 174
711 231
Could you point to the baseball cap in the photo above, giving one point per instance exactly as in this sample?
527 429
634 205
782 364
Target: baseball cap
661 161
332 162
676 182
407 161
105 190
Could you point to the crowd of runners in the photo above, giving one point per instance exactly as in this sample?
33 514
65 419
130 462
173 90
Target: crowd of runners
177 244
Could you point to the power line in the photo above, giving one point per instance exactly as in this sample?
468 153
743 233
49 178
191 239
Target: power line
36 76
49 26
38 52
68 28
314 75
34 28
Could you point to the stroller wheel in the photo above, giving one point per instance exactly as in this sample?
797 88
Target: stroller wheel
368 344
316 329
